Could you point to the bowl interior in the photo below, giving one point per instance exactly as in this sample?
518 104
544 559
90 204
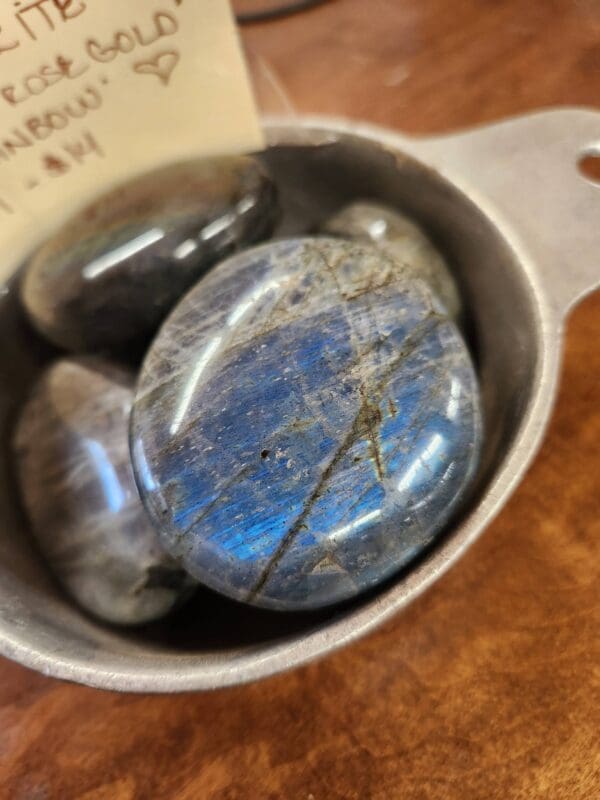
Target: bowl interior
212 636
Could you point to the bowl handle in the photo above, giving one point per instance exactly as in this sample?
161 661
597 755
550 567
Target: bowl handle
528 169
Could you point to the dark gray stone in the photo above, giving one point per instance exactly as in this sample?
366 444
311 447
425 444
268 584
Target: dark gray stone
403 239
109 276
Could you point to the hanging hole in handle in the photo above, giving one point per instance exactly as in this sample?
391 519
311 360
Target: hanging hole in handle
588 164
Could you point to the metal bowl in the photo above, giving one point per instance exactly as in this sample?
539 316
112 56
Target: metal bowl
520 226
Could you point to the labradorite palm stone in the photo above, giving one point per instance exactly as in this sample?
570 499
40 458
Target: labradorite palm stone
305 423
404 240
110 275
77 486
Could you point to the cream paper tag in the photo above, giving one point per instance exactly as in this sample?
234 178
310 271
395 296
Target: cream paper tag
93 92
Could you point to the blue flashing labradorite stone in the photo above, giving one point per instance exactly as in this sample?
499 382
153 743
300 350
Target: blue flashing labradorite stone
305 424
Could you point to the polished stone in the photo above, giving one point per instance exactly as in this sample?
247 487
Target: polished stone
405 240
72 459
109 276
305 423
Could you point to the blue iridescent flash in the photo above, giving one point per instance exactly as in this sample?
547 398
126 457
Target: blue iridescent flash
306 423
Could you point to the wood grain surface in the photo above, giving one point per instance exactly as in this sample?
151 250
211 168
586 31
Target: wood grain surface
484 688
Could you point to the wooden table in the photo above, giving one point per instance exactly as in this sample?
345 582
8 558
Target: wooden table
484 687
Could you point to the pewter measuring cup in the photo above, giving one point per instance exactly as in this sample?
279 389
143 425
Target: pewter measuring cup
521 228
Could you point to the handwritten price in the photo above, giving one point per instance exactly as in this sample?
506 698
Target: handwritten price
61 161
74 152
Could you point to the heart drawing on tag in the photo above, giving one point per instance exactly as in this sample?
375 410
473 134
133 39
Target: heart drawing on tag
161 65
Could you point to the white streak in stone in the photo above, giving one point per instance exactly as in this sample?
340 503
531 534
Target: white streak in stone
192 382
145 474
340 533
185 249
218 226
111 486
245 204
455 390
247 302
378 229
234 318
420 461
106 262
